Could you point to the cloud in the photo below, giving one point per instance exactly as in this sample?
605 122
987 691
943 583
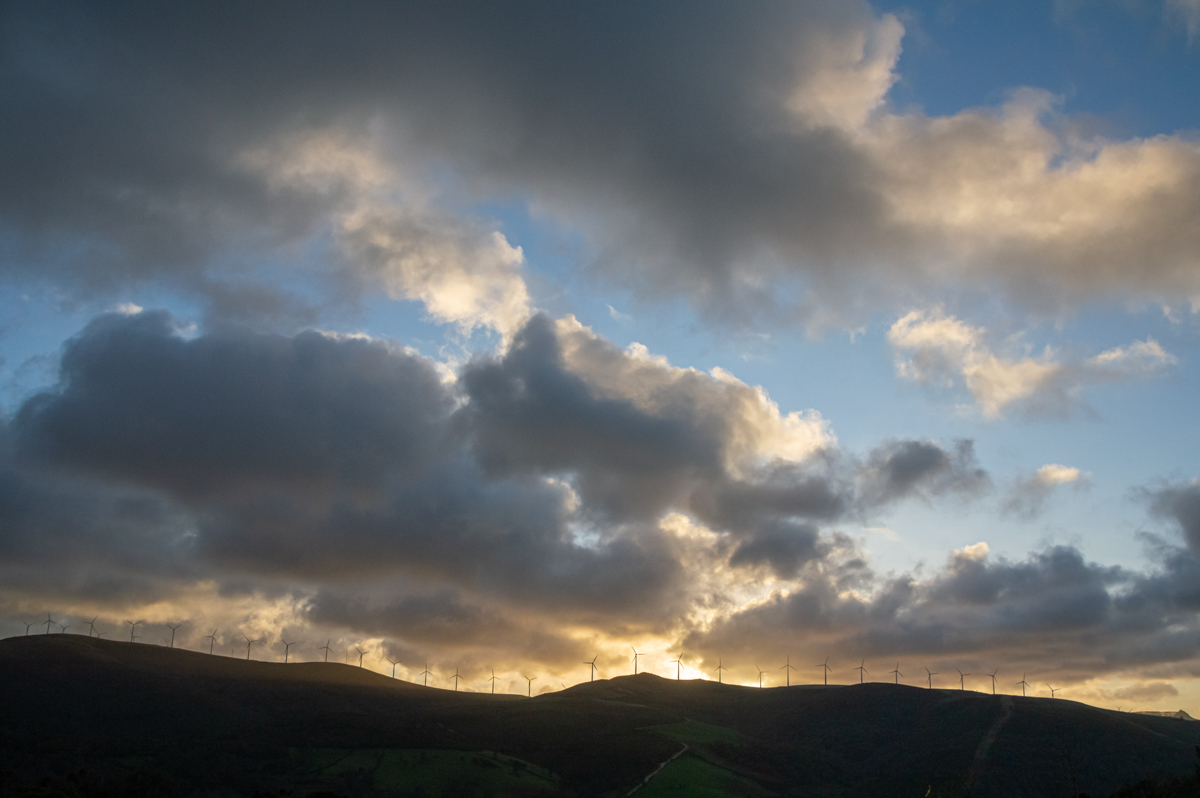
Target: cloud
762 175
932 348
1028 495
1179 502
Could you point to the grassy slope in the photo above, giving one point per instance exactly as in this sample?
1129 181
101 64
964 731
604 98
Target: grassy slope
208 722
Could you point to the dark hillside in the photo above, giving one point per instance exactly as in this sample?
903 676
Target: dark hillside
182 723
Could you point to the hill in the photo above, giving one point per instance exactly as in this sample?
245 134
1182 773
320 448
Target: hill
146 720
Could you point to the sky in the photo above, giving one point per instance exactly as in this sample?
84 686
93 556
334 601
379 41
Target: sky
504 338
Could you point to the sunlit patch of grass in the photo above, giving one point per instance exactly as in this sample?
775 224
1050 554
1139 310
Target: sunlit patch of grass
694 777
694 732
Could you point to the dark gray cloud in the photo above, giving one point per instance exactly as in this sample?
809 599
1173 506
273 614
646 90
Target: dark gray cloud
703 150
1180 502
900 469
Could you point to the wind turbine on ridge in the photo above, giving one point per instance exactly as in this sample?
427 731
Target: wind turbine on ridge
1022 684
962 677
862 668
173 628
456 678
591 664
212 638
394 662
133 625
287 648
930 674
896 672
787 670
825 666
529 686
678 664
720 668
992 676
425 674
48 622
28 626
361 654
635 660
64 628
91 626
493 679
1053 690
249 643
326 648
760 673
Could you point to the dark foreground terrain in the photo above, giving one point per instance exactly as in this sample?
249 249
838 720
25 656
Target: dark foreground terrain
86 717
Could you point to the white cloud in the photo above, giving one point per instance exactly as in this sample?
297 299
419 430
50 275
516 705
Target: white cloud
1054 474
933 348
1188 11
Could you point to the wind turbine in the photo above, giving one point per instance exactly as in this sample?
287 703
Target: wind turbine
173 628
962 684
493 679
426 674
91 626
212 638
249 643
1022 684
678 664
30 625
456 678
133 625
862 668
361 654
48 622
326 649
992 676
592 664
825 665
896 672
64 628
394 662
760 673
720 668
1053 690
287 647
529 686
787 670
635 660
931 674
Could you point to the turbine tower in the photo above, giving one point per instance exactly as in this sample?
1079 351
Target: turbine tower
992 676
760 673
678 664
720 668
493 679
249 643
456 678
361 654
962 683
1053 690
326 649
91 626
173 628
591 664
896 672
28 626
64 628
862 668
394 663
826 667
425 674
529 686
635 660
49 621
787 670
133 625
212 638
1022 684
930 674
286 648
